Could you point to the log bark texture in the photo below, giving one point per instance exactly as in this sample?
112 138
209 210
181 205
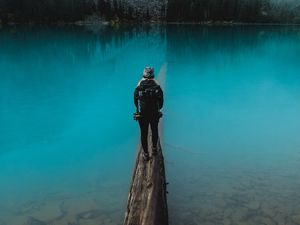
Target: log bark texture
147 200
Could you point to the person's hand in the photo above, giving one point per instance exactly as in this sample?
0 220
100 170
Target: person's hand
137 116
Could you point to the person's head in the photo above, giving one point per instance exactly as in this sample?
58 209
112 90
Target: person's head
148 72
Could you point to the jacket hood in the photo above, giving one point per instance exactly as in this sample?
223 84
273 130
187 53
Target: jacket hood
147 82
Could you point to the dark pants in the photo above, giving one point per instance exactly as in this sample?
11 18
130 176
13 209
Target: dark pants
144 126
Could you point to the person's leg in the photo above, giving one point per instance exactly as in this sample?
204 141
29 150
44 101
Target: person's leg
144 126
154 130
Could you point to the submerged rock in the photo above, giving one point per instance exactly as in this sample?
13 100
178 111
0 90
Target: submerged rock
253 205
296 219
91 214
34 221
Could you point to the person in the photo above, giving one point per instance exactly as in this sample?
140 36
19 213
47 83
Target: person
149 100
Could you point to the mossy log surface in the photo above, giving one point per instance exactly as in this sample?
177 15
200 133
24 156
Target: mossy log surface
147 200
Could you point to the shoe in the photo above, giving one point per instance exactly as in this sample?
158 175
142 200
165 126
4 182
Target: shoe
146 156
154 151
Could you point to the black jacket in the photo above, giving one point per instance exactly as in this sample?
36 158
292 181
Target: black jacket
149 83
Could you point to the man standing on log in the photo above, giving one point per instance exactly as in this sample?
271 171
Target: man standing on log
148 99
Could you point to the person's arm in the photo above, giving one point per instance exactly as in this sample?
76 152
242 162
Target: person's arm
160 98
136 95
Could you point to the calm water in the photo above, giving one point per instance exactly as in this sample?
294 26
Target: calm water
230 134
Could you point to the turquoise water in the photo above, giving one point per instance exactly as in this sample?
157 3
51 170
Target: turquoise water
232 125
230 133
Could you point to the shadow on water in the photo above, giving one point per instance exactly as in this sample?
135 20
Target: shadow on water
233 92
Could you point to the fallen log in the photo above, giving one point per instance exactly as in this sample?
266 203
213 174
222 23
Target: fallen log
147 199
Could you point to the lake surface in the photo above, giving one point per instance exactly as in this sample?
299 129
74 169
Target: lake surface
230 132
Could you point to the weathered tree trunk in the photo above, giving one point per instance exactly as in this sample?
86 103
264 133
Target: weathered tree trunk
147 200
